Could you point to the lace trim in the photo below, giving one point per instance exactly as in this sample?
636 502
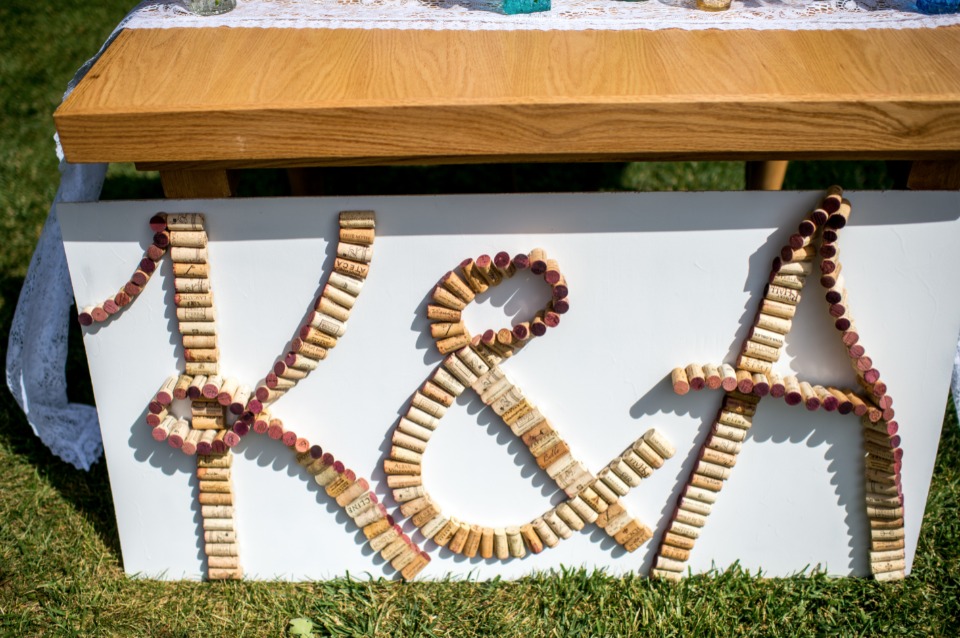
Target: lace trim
613 15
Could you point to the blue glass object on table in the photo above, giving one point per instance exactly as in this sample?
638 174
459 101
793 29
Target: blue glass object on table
512 7
937 7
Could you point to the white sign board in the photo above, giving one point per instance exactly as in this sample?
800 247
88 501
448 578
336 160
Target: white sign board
656 281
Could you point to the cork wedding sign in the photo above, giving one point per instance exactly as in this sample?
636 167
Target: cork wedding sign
491 386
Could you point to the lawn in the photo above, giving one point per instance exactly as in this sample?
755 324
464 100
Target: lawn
60 564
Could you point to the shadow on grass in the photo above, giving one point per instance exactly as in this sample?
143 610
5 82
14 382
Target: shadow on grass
88 492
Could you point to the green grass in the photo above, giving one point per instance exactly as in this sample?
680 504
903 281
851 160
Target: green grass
60 562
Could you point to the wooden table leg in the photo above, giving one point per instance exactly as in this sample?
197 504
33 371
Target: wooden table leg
765 176
938 175
201 184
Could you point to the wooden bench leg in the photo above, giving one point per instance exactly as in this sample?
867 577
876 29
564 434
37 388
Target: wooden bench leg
765 176
938 175
202 184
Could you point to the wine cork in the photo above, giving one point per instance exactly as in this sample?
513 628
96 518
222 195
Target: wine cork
198 328
564 464
721 444
450 344
395 548
782 294
456 286
583 511
445 330
752 364
689 518
190 442
760 351
728 377
712 376
447 532
486 543
887 545
515 542
890 576
165 393
420 417
328 307
162 431
406 494
378 527
307 349
682 529
773 323
194 300
678 378
385 538
209 355
729 432
472 545
530 539
188 255
459 540
395 467
706 482
399 480
195 368
351 268
327 324
556 524
155 418
614 519
437 394
674 553
352 492
794 394
659 443
180 389
205 445
544 442
216 511
447 299
411 429
471 275
522 417
411 443
546 535
613 482
604 491
788 281
810 398
215 498
718 458
633 535
693 505
487 271
177 433
884 512
221 549
340 484
662 574
569 516
670 565
357 219
712 470
425 515
635 463
473 361
775 384
186 239
492 390
804 253
431 528
588 495
459 370
678 540
226 391
218 486
538 261
200 342
695 376
362 236
447 381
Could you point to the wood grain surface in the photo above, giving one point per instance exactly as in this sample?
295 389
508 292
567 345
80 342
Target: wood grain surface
218 98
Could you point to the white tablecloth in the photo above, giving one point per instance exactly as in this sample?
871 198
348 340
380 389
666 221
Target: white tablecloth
37 350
